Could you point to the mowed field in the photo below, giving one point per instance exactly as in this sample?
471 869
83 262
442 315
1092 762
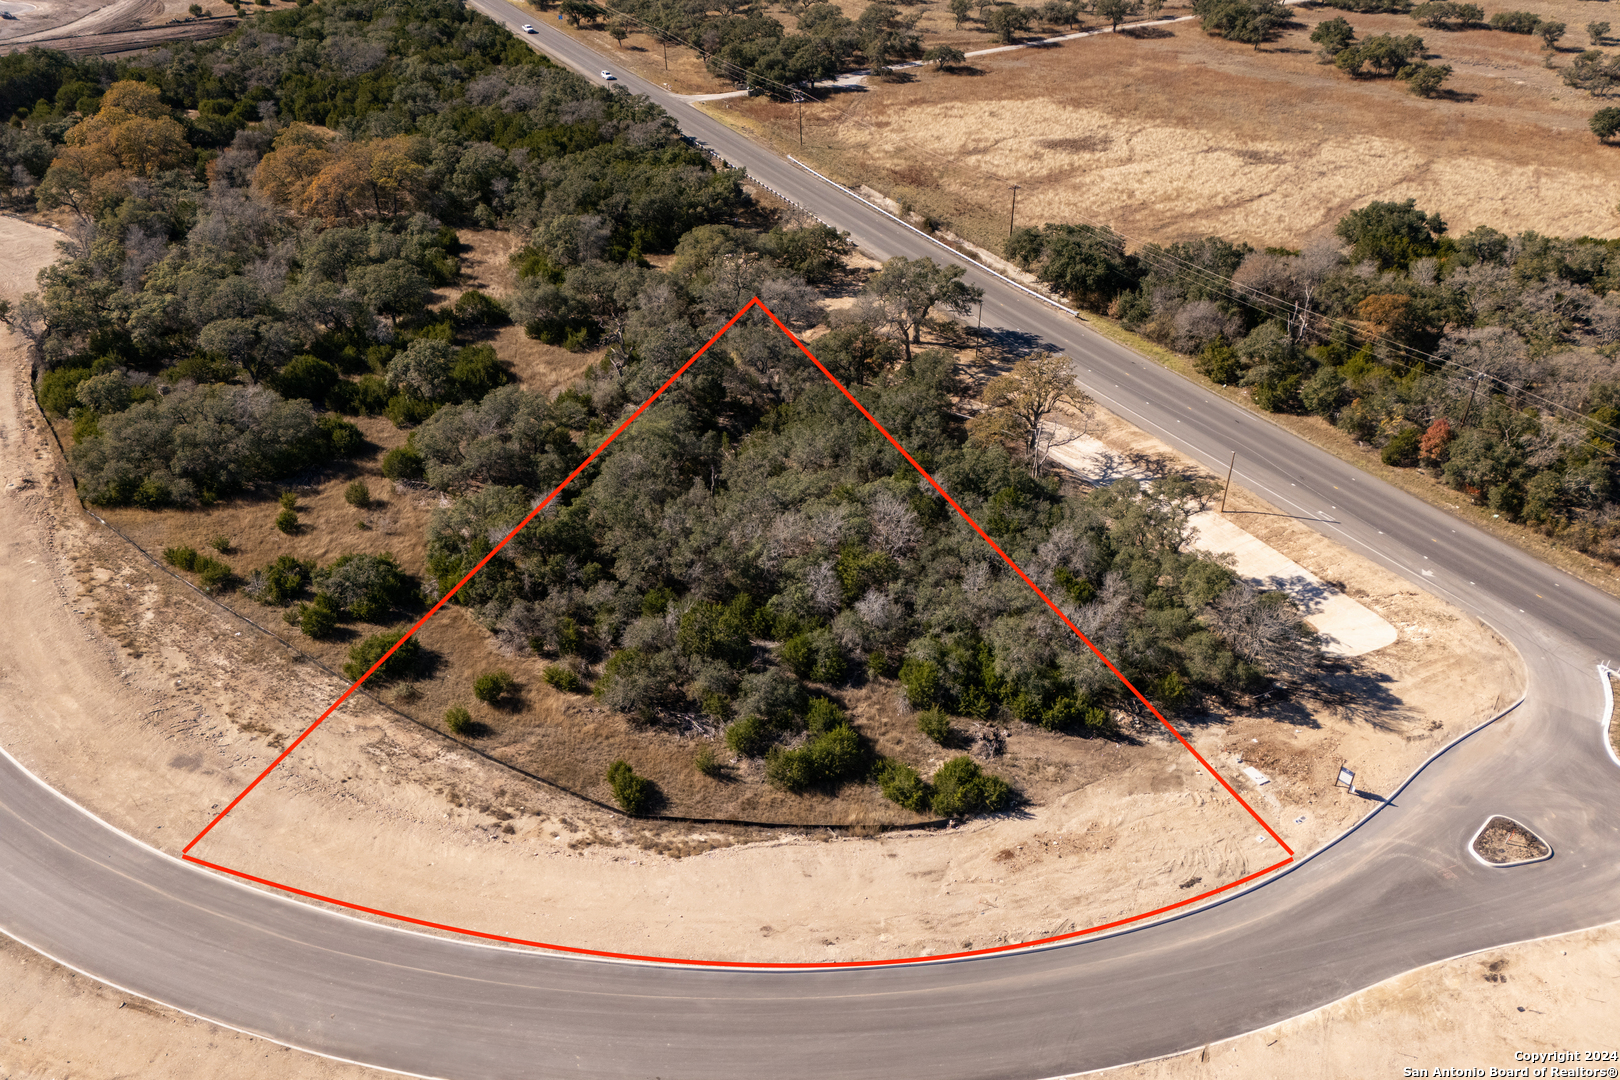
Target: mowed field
1174 134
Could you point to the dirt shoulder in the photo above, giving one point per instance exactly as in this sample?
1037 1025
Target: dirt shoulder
1475 1012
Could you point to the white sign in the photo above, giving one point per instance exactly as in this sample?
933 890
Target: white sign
1347 778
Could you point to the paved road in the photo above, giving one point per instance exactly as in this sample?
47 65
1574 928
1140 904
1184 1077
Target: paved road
1399 892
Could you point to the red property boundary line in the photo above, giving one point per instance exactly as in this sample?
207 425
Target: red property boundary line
186 855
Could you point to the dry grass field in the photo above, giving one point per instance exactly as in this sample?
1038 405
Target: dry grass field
1178 134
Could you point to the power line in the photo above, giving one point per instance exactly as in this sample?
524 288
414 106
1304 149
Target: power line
1242 294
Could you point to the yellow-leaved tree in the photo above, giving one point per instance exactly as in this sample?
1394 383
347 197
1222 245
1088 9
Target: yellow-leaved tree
132 134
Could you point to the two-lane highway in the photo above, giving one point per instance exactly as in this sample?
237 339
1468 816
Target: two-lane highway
1399 892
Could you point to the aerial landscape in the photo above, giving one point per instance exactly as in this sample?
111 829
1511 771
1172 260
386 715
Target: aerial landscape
809 539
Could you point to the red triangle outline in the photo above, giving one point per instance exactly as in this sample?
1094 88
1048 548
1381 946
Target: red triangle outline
186 855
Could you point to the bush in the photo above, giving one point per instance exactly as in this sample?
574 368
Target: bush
921 682
936 725
901 785
306 377
279 582
634 794
562 678
365 587
343 437
824 716
827 759
212 575
183 557
58 390
751 736
357 495
220 543
318 619
373 648
878 665
475 308
458 721
707 762
1402 448
289 500
814 655
492 686
961 788
287 521
402 463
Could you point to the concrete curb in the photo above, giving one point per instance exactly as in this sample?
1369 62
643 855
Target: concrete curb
1483 861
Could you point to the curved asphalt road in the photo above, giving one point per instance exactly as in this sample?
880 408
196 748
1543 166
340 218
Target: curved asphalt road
1399 892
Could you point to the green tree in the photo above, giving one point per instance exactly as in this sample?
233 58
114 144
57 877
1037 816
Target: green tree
1114 12
1605 123
635 795
1252 22
959 11
1007 21
1550 32
1424 80
1391 234
1334 36
1597 32
944 56
906 290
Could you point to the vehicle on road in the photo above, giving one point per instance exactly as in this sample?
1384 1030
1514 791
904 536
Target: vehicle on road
527 29
607 76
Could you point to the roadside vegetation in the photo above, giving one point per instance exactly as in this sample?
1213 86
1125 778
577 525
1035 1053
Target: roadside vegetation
1488 360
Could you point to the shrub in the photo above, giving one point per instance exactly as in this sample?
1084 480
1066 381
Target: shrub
58 390
475 308
289 500
458 721
823 716
962 788
1402 448
827 759
279 582
287 521
751 736
921 681
634 794
935 724
343 437
365 587
901 785
357 494
570 638
402 463
183 557
707 762
212 575
814 655
373 648
220 543
492 686
562 678
306 377
318 619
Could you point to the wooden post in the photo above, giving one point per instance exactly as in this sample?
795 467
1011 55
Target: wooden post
1232 465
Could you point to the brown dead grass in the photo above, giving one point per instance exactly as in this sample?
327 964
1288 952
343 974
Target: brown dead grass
1186 135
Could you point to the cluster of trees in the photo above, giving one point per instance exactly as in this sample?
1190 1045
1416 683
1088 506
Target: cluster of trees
1382 55
231 273
1252 22
751 543
1489 359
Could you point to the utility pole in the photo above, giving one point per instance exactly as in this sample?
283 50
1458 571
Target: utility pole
1230 466
1013 213
800 99
664 41
1469 407
978 332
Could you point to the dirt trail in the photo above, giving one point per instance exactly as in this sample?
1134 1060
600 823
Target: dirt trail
120 16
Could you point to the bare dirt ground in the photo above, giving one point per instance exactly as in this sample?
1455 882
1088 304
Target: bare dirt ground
85 27
1182 135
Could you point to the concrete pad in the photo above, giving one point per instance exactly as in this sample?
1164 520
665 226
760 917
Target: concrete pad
1347 627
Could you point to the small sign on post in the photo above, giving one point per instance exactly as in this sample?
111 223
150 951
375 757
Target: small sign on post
1347 778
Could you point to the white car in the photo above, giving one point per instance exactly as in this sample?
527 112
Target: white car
607 76
527 29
